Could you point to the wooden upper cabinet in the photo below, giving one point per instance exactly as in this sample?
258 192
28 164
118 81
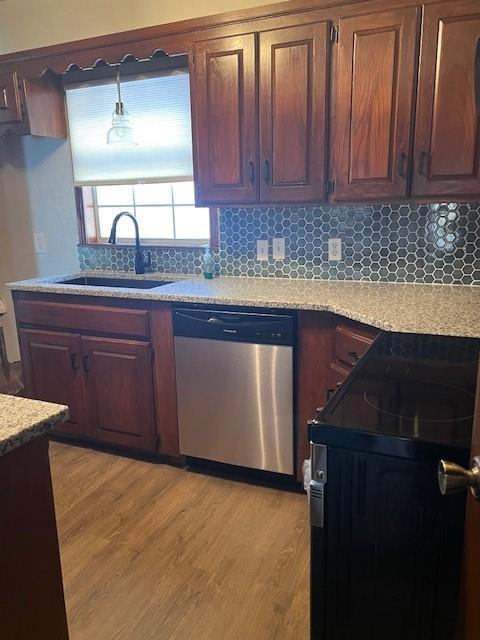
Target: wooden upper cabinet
224 105
377 56
34 106
447 136
10 100
293 108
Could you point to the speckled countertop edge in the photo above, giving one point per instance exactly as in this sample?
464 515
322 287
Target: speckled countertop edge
410 308
22 420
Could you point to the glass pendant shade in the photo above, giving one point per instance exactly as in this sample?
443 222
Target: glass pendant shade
121 132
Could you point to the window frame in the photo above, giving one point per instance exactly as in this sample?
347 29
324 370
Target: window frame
87 222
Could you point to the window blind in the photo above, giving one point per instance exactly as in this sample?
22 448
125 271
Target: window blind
159 110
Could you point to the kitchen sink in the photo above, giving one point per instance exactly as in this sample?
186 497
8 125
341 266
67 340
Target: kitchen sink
123 283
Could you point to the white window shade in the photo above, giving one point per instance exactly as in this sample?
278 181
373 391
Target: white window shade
159 109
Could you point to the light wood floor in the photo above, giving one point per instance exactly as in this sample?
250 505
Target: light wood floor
151 552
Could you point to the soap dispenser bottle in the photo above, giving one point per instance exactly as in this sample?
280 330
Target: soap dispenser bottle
208 264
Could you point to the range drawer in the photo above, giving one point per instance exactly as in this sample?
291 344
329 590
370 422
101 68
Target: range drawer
84 317
349 345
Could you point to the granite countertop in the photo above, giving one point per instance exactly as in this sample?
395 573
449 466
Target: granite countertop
22 420
410 308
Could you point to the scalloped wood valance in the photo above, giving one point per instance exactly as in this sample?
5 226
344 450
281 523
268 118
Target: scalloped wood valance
172 39
110 55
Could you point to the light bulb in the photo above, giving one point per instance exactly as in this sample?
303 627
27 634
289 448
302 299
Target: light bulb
121 132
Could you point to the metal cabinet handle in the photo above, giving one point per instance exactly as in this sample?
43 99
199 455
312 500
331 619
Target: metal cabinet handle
402 158
354 355
73 361
86 364
422 162
477 77
251 172
266 171
453 478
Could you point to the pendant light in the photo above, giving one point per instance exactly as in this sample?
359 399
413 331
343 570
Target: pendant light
121 132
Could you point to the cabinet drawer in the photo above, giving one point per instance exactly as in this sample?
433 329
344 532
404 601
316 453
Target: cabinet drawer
82 317
336 376
10 99
349 345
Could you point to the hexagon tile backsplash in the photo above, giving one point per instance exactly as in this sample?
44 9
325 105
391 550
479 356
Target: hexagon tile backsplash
426 243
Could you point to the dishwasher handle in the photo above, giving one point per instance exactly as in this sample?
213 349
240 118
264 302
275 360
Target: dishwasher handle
222 319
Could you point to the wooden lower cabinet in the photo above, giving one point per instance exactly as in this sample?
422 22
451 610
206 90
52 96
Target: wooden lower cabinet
33 605
106 382
119 389
52 371
336 375
327 349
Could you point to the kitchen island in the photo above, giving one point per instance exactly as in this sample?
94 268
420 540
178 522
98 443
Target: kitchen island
31 588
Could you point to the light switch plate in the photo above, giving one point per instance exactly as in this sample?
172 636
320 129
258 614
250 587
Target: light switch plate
39 243
262 250
279 248
334 249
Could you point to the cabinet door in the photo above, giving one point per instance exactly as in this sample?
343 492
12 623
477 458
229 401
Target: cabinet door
51 367
447 136
10 102
119 391
293 107
373 105
224 107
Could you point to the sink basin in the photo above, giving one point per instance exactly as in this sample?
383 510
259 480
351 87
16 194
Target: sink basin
123 283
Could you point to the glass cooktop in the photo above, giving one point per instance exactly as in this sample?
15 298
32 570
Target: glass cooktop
410 386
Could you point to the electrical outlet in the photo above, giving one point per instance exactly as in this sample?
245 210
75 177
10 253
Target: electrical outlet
39 243
334 249
279 248
262 250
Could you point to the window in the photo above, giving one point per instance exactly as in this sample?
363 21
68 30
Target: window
165 212
152 180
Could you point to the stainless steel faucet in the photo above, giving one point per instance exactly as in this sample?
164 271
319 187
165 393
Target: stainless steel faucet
140 263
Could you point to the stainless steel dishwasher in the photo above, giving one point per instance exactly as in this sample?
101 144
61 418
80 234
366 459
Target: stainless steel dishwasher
235 387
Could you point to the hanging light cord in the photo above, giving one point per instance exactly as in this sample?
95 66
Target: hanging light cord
118 86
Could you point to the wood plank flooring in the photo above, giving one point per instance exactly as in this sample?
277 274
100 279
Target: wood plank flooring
152 552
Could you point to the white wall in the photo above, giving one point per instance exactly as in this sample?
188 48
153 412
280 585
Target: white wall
36 184
26 24
36 195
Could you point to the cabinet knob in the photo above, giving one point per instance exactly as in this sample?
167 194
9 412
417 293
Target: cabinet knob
452 478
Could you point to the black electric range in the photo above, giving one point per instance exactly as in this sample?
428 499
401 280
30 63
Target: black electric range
382 535
407 392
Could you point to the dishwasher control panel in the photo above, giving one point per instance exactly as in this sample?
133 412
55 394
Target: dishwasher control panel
262 328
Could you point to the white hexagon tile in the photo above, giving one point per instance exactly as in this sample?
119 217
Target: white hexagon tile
427 243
